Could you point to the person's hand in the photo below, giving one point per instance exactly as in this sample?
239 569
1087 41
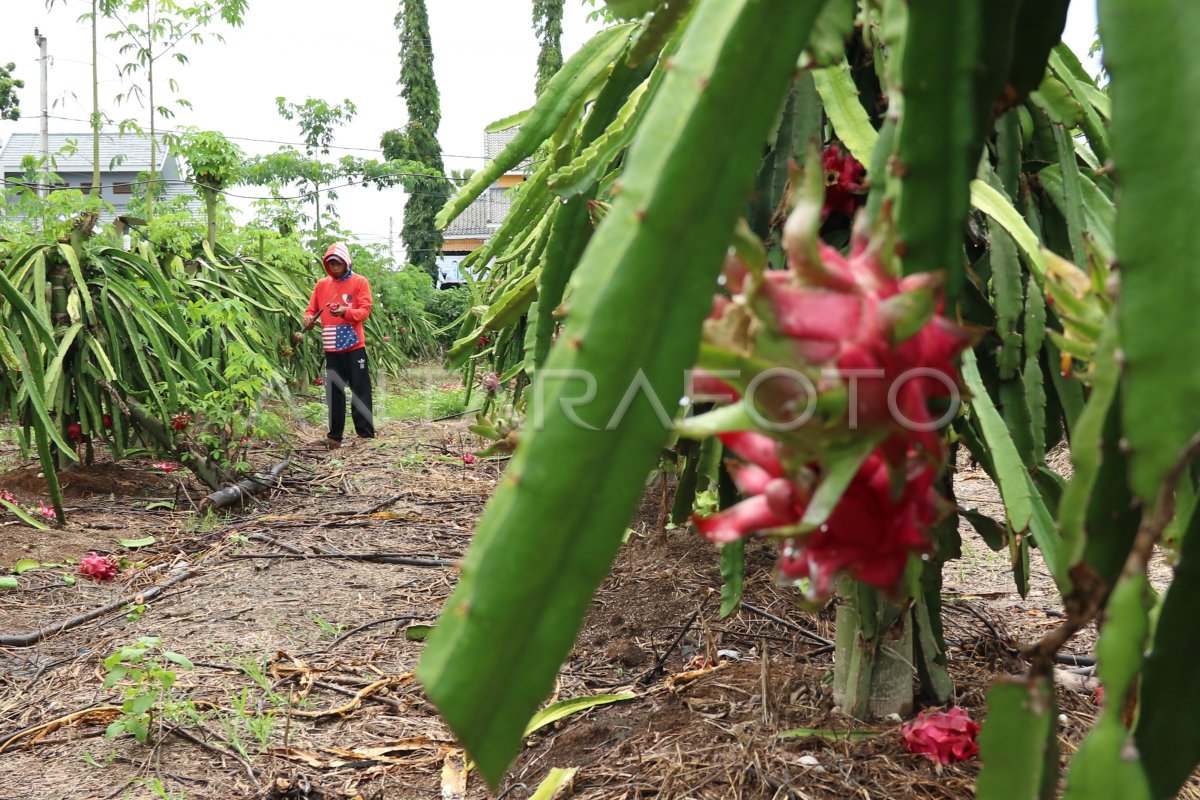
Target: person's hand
308 320
337 310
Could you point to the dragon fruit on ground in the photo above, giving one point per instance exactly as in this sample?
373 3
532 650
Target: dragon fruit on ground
942 736
98 567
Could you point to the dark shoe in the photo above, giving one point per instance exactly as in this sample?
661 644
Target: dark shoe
332 444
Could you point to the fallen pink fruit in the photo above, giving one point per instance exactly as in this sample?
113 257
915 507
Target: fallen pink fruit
166 466
942 736
468 458
98 567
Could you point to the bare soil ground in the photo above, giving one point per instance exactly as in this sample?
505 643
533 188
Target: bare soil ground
303 687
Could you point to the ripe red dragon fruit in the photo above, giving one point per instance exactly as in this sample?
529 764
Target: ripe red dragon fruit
491 383
869 535
942 736
845 182
106 420
876 352
180 422
319 382
850 325
468 459
75 432
98 567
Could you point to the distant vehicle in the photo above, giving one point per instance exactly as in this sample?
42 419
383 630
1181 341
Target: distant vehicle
449 271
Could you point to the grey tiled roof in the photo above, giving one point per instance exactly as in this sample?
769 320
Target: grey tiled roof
472 222
495 141
486 212
132 150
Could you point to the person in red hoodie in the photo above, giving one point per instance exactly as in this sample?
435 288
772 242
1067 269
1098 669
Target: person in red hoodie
343 301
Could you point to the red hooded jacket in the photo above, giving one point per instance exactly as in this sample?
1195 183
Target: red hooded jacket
352 291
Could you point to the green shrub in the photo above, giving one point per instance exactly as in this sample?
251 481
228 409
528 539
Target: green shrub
446 309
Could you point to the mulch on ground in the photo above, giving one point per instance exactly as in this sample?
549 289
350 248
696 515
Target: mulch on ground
279 612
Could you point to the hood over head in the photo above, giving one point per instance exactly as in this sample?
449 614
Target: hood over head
337 250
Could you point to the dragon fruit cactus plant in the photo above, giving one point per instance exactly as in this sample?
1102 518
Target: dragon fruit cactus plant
832 366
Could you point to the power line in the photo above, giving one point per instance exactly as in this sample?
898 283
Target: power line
302 196
289 144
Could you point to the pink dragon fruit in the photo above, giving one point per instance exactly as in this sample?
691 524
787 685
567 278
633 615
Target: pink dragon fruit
876 352
942 736
849 324
98 567
845 182
869 535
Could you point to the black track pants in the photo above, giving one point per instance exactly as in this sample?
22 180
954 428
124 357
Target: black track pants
349 368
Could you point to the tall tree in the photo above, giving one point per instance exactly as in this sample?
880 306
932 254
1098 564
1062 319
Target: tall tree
10 107
317 120
418 140
151 30
547 24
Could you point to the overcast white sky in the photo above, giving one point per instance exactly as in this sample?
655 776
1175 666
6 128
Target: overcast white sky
484 59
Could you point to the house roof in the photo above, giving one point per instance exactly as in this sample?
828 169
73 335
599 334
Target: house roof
118 153
472 223
495 141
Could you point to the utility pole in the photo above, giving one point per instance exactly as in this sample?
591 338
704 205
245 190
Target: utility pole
44 180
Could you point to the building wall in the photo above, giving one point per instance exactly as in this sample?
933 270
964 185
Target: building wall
116 187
